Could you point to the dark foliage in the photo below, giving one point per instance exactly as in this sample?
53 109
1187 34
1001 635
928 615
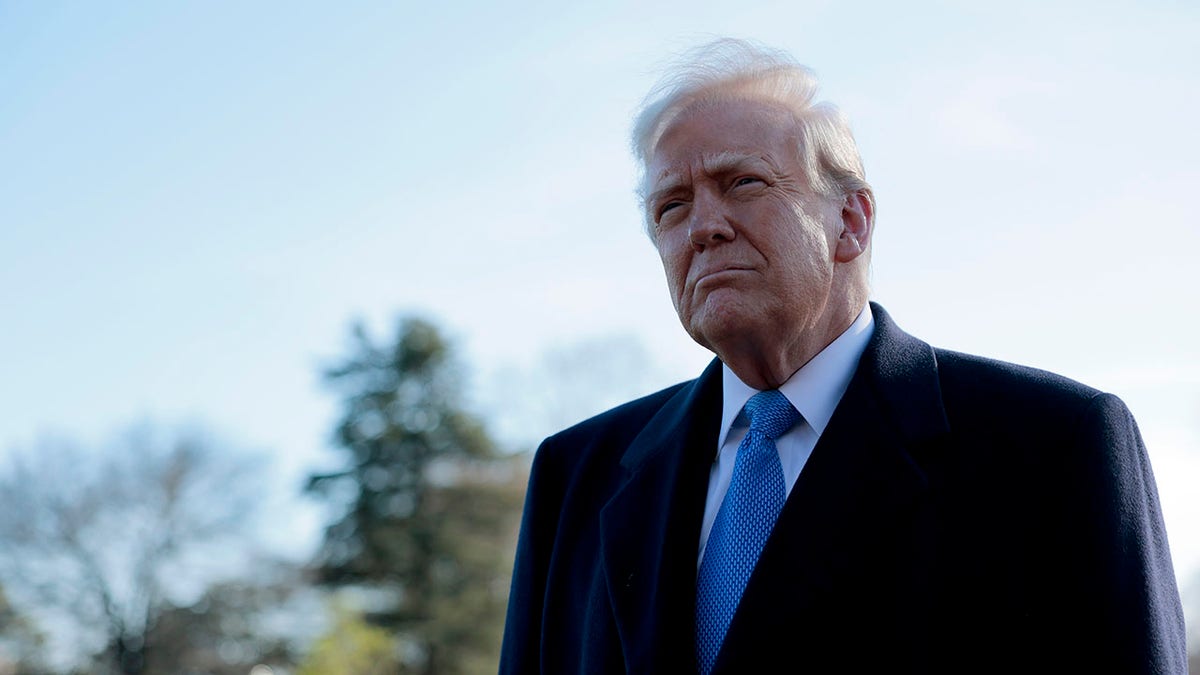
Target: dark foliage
430 504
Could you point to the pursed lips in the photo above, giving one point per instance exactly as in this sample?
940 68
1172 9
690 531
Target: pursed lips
718 274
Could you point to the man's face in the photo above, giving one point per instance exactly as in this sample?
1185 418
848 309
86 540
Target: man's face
747 246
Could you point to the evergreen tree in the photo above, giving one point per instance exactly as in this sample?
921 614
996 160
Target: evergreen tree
431 506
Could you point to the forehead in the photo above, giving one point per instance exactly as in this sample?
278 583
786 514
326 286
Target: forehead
708 135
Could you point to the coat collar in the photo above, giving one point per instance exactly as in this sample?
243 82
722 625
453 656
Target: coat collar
902 371
862 483
862 474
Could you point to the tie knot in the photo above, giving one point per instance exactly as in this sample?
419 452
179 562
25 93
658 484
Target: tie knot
771 414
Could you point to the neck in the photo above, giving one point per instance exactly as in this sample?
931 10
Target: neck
766 362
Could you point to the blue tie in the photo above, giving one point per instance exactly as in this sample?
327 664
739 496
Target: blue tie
755 497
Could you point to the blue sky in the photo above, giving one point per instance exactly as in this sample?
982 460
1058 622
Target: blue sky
197 198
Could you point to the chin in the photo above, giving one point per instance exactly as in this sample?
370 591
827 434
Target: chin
713 328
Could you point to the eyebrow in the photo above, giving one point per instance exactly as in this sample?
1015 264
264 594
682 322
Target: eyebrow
726 161
670 185
721 162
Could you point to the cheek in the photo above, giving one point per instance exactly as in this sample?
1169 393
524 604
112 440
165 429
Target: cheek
811 243
675 263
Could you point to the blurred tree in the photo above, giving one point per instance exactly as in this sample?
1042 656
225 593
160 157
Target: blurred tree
351 647
99 543
20 641
431 507
228 630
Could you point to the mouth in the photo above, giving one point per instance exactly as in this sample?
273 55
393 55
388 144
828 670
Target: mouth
720 275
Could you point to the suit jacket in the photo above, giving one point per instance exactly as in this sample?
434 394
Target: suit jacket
957 515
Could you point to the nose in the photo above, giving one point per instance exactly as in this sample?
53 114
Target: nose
710 224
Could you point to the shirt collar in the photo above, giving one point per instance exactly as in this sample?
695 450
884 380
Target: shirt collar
815 389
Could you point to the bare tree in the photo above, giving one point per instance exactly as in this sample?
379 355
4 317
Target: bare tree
236 625
98 545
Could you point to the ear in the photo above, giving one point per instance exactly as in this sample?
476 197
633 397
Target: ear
858 221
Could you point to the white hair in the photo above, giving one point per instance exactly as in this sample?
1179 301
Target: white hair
737 70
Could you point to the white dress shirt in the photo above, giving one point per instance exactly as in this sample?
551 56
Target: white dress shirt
814 391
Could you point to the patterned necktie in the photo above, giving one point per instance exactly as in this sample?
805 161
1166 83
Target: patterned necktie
755 497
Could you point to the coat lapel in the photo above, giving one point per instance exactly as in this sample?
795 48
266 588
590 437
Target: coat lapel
650 529
862 479
860 483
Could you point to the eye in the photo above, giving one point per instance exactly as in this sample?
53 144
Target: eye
662 210
746 180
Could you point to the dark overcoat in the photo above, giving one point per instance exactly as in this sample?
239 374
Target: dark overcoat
957 515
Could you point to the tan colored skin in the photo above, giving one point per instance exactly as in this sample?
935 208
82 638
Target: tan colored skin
763 270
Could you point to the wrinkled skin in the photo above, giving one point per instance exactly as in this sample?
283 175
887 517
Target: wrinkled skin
763 270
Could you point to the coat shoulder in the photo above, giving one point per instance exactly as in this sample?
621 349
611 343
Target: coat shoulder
1056 474
972 382
591 450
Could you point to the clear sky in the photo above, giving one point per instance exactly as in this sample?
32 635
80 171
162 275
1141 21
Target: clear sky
197 198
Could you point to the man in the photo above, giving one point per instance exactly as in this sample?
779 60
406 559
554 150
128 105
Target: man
831 494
